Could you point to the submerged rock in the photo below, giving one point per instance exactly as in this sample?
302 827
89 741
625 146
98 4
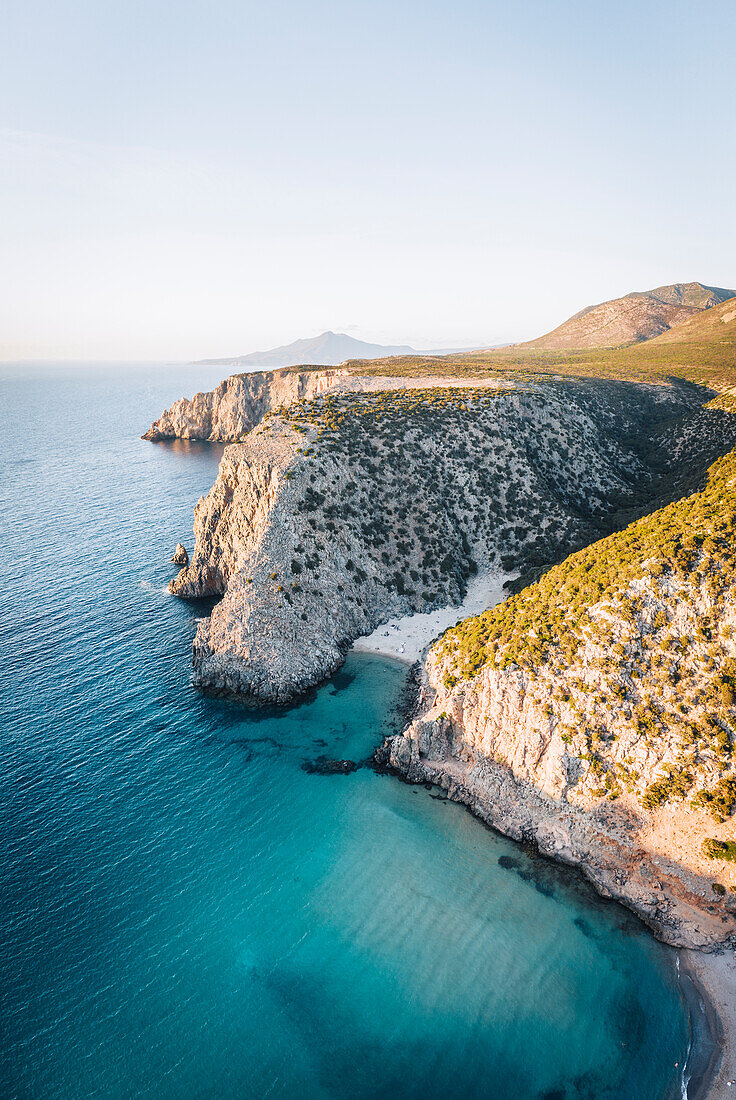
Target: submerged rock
323 765
180 555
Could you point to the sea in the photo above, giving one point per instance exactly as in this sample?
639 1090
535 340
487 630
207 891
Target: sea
188 906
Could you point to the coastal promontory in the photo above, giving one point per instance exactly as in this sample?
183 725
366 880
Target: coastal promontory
592 712
339 513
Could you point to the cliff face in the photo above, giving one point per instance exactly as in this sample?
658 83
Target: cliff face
595 713
340 514
647 872
229 412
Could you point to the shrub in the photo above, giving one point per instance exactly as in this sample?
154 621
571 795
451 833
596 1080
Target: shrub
728 694
720 849
656 794
722 798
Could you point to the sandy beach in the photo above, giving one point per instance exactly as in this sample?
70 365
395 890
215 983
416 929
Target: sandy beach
714 978
407 638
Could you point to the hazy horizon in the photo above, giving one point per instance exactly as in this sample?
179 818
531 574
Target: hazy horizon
205 360
182 182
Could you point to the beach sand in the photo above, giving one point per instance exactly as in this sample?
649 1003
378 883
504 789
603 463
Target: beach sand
408 637
714 977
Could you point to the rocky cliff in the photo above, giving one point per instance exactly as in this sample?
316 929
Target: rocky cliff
239 403
344 511
595 714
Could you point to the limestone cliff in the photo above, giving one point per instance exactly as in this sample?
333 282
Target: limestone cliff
230 411
343 512
595 714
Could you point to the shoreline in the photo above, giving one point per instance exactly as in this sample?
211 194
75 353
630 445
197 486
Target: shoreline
707 980
406 638
708 983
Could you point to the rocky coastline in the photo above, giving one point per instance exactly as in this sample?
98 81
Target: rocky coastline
336 513
343 512
427 752
517 737
706 966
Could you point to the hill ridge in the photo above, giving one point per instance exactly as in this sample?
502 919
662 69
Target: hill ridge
326 349
635 317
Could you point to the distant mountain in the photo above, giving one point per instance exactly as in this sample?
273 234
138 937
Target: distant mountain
328 349
714 326
638 316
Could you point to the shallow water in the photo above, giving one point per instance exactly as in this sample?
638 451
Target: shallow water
186 911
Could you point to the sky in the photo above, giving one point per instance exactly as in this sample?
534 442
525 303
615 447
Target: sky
187 179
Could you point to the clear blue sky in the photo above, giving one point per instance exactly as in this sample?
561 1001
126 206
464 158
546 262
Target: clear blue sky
181 179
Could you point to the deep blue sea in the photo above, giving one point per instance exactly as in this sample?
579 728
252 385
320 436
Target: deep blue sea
185 911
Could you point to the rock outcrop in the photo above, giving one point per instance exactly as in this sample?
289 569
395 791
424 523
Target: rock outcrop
238 404
331 518
180 556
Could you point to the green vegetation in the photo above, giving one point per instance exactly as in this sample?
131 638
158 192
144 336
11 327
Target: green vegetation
625 645
720 849
391 478
721 800
646 362
431 478
703 350
686 540
337 414
598 630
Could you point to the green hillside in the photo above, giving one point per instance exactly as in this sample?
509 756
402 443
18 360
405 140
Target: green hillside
632 638
701 350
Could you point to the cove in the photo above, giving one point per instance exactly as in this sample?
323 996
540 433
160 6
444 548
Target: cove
188 910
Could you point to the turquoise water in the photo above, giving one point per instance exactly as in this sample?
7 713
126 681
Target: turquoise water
186 911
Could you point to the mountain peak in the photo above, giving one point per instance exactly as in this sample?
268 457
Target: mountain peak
638 315
328 349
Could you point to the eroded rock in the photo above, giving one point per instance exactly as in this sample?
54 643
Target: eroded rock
238 404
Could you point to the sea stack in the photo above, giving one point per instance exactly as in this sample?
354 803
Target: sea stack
180 555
